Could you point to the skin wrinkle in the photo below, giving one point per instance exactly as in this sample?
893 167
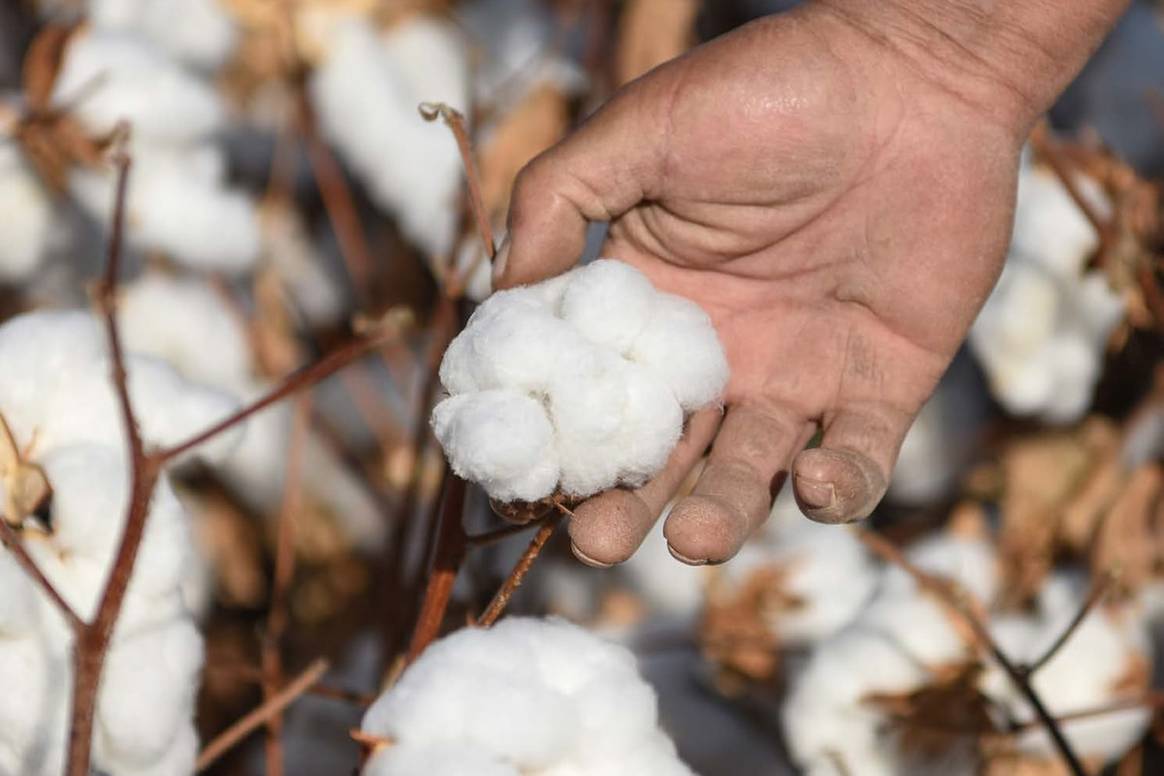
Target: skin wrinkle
839 212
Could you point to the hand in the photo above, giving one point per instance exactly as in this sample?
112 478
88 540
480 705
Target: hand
838 209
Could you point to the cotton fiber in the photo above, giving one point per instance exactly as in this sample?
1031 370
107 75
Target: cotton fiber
575 384
57 397
530 697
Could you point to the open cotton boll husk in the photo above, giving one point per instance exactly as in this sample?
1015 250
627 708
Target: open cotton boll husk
537 697
595 351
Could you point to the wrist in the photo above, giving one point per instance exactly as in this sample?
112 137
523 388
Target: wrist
1009 59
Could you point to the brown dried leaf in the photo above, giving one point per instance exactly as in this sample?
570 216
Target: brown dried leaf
233 546
1128 540
736 631
947 713
652 32
26 488
1041 474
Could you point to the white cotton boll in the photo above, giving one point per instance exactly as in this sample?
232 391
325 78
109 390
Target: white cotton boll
185 322
34 693
133 81
27 229
1049 225
1084 673
969 561
178 204
681 346
140 714
615 416
541 697
437 760
517 346
199 32
825 710
501 439
609 302
652 422
18 605
367 91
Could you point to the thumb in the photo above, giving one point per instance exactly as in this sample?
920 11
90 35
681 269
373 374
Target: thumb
606 167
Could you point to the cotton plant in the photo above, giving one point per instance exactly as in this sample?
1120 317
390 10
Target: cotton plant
199 33
527 697
179 201
898 644
62 428
576 384
1042 333
367 89
173 317
1107 659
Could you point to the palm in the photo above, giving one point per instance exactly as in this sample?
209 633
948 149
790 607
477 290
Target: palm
839 217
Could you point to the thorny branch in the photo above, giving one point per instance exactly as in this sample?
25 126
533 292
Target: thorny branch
964 610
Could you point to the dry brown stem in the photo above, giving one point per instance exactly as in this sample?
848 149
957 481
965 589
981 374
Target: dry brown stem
517 575
233 735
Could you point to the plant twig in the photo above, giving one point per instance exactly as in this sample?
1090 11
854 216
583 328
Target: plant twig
233 735
520 569
1098 591
448 554
965 612
92 642
487 538
13 543
304 378
278 618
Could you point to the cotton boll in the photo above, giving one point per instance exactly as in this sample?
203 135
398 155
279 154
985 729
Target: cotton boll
501 439
609 302
367 90
140 714
521 347
177 204
587 416
681 346
1049 224
30 676
652 422
183 321
134 82
1088 671
465 760
18 605
26 231
199 32
536 696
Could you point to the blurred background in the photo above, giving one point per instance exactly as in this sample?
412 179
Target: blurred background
285 187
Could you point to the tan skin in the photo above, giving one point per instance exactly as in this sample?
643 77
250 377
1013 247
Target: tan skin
838 204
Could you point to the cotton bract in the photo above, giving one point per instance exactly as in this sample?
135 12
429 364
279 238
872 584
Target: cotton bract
528 697
57 398
577 384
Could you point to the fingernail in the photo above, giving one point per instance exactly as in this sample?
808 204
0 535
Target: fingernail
500 260
683 558
815 494
587 559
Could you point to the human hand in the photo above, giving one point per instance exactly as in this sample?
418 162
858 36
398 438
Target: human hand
841 209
